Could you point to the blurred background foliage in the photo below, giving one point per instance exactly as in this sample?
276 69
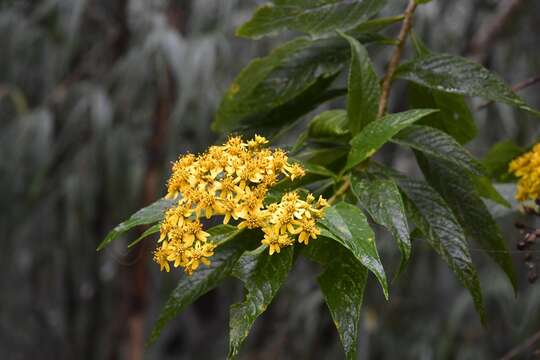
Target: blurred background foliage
97 97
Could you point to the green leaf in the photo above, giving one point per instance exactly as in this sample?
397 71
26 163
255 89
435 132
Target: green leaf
437 143
312 17
342 283
190 288
364 89
381 198
262 275
286 74
442 230
484 187
220 234
499 157
376 24
150 231
148 215
377 133
329 125
471 212
349 227
454 117
457 75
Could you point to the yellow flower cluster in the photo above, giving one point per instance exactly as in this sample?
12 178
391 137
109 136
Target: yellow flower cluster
527 169
232 181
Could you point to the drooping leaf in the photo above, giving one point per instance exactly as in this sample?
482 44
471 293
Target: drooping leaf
364 88
457 75
460 195
381 198
329 125
148 215
274 81
454 116
342 284
190 288
499 157
262 276
442 230
312 17
437 143
377 133
350 228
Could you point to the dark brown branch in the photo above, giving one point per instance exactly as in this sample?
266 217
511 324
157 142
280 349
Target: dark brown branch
522 347
517 87
396 57
485 37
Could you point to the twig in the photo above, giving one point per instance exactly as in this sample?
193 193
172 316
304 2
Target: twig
517 87
487 34
396 56
342 190
522 347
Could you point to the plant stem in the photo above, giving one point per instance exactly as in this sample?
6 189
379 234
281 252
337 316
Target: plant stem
342 190
396 56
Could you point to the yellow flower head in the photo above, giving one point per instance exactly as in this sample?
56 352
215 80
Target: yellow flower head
232 180
527 169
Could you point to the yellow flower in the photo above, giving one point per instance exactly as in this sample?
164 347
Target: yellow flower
160 256
232 180
527 169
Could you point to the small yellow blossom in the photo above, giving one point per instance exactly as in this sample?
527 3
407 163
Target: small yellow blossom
232 181
527 169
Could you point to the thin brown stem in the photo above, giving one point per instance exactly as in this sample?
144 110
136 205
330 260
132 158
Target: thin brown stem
342 190
396 57
522 347
517 87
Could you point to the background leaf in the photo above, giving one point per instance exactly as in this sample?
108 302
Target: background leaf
312 17
381 198
457 75
262 276
499 157
363 86
377 133
349 227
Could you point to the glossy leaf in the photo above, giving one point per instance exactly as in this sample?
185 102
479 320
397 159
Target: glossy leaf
364 89
350 228
312 17
190 288
442 230
377 133
454 116
329 125
460 195
148 215
283 76
436 143
262 276
342 283
457 75
381 198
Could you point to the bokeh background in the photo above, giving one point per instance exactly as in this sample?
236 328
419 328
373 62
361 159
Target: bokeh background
97 97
